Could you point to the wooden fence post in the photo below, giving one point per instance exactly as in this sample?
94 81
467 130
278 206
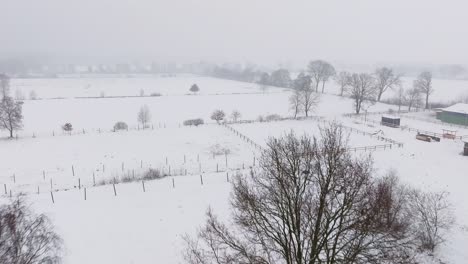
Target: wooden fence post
201 179
85 194
115 191
143 185
73 170
173 183
52 196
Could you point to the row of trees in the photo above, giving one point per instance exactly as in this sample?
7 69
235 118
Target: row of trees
366 88
311 202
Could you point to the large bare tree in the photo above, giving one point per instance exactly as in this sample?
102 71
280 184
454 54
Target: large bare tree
295 102
385 79
25 237
424 84
304 97
310 202
343 79
412 98
362 90
11 114
320 71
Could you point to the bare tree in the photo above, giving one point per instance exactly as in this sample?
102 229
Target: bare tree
311 202
4 85
144 116
320 71
424 84
385 79
310 100
218 115
32 95
400 97
296 102
263 87
235 115
412 98
11 114
434 217
19 96
343 79
25 237
304 97
362 90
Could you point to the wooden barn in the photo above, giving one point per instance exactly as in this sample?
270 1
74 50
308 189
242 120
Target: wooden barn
455 114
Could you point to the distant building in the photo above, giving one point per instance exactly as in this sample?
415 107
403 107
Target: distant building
455 114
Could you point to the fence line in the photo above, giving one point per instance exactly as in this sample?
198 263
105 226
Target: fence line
404 128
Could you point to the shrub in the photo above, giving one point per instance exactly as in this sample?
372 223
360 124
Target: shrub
217 149
155 94
194 122
120 126
67 127
152 174
273 117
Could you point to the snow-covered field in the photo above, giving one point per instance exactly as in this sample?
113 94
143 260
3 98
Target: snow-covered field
146 227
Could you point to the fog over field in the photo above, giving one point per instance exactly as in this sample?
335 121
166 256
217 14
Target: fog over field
264 132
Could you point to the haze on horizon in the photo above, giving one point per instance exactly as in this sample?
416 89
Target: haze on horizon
399 31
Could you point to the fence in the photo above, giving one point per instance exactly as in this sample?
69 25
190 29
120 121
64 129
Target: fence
405 128
243 137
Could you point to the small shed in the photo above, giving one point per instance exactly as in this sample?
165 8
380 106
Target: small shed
465 151
391 121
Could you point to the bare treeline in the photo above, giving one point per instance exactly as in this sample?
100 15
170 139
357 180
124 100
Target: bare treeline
313 202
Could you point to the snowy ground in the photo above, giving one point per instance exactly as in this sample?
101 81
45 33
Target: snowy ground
144 227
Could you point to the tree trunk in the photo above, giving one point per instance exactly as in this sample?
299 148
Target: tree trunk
323 86
11 133
427 100
379 96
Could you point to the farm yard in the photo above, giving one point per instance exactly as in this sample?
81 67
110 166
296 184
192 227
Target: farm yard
78 177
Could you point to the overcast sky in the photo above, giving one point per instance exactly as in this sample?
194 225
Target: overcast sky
427 31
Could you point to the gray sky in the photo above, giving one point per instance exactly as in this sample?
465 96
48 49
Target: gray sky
427 31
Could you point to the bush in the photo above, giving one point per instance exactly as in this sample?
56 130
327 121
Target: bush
120 126
67 127
217 150
194 122
272 117
152 174
155 94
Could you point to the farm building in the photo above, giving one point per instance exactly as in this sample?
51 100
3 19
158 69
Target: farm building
465 149
391 121
455 114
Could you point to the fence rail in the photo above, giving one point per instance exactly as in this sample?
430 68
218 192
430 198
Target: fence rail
405 128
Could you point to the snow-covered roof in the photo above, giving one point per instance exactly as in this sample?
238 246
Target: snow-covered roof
457 108
391 116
